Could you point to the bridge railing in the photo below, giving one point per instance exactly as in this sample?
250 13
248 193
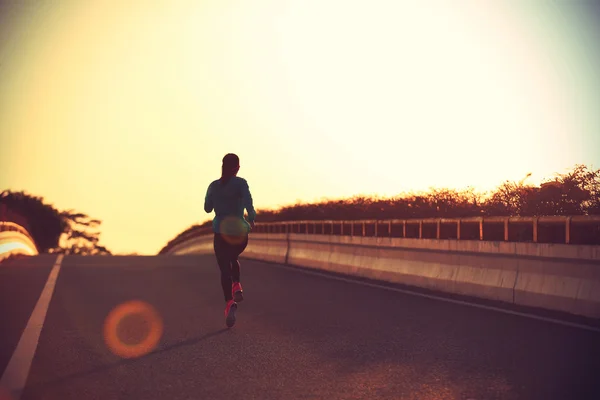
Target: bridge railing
576 229
6 226
14 240
543 229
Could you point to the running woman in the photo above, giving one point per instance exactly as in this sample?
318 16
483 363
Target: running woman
229 196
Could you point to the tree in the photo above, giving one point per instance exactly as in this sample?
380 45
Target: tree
574 193
54 231
43 221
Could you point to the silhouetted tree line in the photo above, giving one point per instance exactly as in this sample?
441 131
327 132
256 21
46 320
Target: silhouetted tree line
574 193
49 227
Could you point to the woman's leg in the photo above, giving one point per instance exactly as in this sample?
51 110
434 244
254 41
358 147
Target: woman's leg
236 288
222 252
234 256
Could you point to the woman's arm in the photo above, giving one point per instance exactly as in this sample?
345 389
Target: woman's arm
208 203
247 202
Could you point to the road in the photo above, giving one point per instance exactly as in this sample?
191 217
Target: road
298 336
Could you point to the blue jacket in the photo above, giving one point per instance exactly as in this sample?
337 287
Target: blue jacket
229 201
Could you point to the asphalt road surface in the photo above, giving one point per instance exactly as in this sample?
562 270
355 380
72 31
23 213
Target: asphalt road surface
297 336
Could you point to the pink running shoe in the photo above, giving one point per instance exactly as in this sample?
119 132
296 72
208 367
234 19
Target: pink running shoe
230 310
237 292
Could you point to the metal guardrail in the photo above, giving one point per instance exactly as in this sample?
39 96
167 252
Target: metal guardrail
518 229
11 226
384 228
10 248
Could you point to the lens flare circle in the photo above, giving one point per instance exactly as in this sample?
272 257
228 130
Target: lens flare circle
144 346
233 230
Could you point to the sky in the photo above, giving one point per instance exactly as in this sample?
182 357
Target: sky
124 109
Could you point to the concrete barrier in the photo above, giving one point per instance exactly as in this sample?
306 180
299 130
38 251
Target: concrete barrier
268 247
272 248
378 258
550 276
197 245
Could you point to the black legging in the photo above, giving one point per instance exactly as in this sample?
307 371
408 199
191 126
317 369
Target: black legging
227 251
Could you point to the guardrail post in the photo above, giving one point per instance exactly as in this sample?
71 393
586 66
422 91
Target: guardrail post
363 229
351 228
568 230
307 227
342 228
458 229
437 233
390 228
506 229
421 229
376 228
535 229
331 233
480 228
404 229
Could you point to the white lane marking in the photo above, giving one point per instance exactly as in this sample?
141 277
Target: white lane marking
429 296
16 373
